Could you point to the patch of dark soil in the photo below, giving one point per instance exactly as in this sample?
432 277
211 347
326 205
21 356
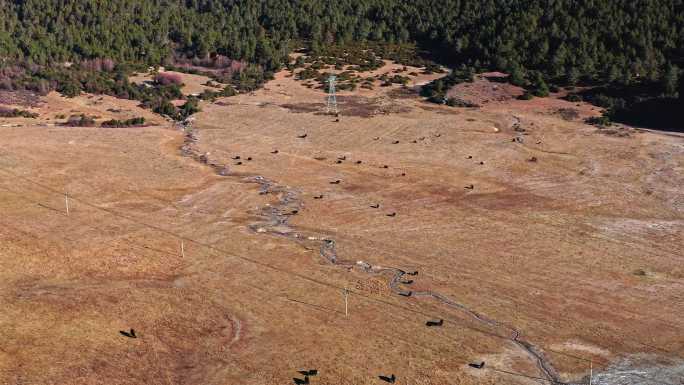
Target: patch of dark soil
403 93
438 110
299 108
483 90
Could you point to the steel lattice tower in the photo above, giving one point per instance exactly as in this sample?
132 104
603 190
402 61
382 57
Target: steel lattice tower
331 107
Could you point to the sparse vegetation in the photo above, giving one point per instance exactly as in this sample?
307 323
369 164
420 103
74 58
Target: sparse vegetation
243 42
16 113
167 78
138 121
81 120
602 121
436 90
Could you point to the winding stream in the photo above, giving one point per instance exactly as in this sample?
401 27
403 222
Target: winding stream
274 220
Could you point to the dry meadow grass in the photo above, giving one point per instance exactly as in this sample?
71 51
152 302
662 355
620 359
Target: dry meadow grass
549 247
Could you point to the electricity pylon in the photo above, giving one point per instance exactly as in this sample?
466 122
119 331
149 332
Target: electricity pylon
331 107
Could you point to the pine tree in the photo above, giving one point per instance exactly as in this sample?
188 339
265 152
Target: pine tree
670 80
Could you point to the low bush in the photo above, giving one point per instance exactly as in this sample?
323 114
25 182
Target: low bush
80 121
166 78
575 98
603 121
138 121
16 113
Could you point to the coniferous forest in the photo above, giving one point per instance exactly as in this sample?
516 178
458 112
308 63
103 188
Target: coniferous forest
631 51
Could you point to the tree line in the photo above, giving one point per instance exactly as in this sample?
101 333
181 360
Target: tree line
622 42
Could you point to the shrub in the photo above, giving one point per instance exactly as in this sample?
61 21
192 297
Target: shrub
166 78
599 121
16 113
138 121
540 88
190 107
435 91
575 98
70 89
80 121
457 102
164 107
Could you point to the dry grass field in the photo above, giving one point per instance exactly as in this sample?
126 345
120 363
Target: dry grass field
546 245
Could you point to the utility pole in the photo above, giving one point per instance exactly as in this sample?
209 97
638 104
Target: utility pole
66 201
346 301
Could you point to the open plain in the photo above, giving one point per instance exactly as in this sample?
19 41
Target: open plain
546 245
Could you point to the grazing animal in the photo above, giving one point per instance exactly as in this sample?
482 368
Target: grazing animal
293 212
299 381
539 142
421 138
438 135
343 157
469 187
375 206
391 379
435 323
385 166
338 161
532 159
310 372
274 152
395 142
392 214
358 162
481 162
405 293
302 136
236 157
376 138
238 163
403 174
249 158
414 141
318 196
130 334
469 157
477 366
336 182
337 120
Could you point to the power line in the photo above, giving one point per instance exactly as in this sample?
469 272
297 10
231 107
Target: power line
262 264
275 295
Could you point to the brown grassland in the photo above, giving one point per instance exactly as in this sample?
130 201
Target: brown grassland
571 235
